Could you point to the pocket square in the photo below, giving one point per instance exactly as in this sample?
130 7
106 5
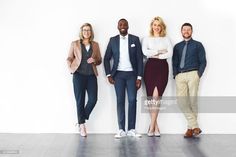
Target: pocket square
132 45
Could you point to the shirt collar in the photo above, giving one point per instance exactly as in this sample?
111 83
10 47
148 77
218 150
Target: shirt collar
124 37
188 40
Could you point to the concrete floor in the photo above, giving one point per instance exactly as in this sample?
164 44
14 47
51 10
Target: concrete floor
104 145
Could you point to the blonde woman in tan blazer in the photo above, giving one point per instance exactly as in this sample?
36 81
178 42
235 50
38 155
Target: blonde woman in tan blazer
84 56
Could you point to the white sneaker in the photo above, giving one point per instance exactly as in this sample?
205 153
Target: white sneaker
120 134
133 133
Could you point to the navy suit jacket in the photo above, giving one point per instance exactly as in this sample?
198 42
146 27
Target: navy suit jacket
113 52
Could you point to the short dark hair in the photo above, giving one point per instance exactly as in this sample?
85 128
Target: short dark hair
122 19
187 24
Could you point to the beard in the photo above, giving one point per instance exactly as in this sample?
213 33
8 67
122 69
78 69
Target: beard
187 36
123 32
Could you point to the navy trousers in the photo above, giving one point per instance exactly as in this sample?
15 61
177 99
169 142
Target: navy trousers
126 81
83 84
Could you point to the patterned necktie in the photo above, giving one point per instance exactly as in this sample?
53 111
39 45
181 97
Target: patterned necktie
183 55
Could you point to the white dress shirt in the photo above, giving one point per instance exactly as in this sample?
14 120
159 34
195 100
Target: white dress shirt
124 60
151 46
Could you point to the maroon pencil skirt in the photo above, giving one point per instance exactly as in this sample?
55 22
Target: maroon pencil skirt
156 75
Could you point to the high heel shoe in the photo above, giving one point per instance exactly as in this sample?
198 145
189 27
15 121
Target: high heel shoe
157 133
150 134
83 131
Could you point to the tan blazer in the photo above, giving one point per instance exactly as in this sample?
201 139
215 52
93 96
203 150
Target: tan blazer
75 55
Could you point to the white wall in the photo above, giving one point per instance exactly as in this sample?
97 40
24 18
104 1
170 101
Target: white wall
36 93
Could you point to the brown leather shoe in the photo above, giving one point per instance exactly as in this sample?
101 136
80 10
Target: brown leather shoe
188 134
196 132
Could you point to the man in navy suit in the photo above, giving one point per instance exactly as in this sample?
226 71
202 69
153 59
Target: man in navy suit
126 73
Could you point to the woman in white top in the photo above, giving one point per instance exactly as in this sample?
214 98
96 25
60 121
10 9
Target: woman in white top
157 48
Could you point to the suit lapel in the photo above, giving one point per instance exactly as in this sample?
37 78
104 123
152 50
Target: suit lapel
117 40
78 48
129 43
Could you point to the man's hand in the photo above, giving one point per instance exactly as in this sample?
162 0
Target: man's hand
138 84
110 79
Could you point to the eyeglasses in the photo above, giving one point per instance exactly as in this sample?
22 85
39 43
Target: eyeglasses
86 30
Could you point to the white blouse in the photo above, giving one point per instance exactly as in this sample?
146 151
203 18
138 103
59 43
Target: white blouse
151 46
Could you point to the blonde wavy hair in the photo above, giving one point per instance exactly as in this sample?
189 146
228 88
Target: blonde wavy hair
162 24
81 31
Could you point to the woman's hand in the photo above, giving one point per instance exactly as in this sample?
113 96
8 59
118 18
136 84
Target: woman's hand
162 51
90 60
